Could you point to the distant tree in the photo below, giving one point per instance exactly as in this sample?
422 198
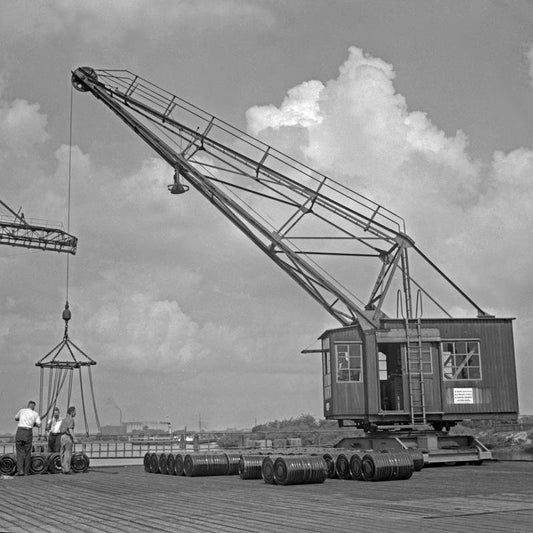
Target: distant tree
306 427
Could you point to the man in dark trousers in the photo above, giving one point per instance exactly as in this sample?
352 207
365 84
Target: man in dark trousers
53 427
68 438
27 419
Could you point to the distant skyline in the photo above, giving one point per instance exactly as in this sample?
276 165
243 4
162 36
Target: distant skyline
425 107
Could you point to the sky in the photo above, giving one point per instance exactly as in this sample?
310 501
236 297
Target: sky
425 107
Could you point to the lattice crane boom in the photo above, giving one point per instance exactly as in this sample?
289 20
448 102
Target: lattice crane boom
16 230
311 226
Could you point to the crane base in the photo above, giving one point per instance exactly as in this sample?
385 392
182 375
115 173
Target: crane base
437 447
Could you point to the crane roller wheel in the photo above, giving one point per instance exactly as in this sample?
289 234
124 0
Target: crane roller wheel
78 83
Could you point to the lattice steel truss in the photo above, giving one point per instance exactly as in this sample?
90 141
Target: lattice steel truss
16 230
313 227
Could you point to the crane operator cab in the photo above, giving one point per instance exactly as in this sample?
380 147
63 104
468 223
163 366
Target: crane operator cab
436 372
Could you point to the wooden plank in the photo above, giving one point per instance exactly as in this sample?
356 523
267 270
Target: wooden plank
493 497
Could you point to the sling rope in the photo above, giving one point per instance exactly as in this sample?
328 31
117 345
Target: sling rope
61 372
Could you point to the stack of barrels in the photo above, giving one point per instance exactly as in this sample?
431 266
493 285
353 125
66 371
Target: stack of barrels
290 469
192 464
374 466
278 469
44 463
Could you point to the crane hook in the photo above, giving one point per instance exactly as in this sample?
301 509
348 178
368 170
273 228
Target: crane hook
177 187
66 317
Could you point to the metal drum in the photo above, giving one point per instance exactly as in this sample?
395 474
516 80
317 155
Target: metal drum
163 465
178 466
146 462
250 466
154 463
233 463
418 458
342 465
416 454
387 466
8 464
171 464
200 464
79 462
330 459
267 469
54 463
300 469
218 464
38 463
356 466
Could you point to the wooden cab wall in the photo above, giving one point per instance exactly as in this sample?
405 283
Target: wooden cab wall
468 371
346 358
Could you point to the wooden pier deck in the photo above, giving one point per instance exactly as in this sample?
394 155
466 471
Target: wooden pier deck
494 497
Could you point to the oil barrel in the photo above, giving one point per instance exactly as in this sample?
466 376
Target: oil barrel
154 463
178 466
300 469
54 463
330 459
163 465
267 469
342 465
171 464
356 465
418 458
200 464
416 454
233 463
79 462
146 462
387 466
8 464
250 466
39 463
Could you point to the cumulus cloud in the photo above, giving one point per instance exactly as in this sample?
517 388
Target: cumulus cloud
467 214
502 221
22 127
299 108
107 23
142 333
360 128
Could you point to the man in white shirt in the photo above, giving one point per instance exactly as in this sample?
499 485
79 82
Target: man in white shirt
27 419
54 436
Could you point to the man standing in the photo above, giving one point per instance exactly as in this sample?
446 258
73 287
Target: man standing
27 418
66 430
53 428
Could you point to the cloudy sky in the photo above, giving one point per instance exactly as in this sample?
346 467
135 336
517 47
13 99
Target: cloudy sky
426 107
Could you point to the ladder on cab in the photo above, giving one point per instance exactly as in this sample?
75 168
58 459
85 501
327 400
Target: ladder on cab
414 358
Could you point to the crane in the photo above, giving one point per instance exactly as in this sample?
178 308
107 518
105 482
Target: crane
313 227
16 230
378 370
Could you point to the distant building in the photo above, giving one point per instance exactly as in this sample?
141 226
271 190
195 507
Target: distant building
146 427
127 428
114 430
